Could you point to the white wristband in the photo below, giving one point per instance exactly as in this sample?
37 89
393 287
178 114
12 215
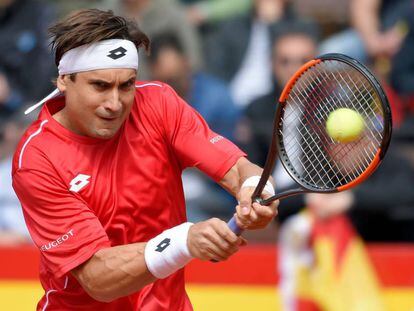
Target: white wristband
253 181
168 251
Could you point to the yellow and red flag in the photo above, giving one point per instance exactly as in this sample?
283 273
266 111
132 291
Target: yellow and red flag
324 266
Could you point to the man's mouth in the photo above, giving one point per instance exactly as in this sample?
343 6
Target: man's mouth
108 118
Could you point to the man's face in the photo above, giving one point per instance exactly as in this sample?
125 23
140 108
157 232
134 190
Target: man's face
289 54
97 102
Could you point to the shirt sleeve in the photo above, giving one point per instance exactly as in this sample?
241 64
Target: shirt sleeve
194 143
61 225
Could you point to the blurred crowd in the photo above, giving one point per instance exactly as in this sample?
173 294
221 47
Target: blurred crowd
230 60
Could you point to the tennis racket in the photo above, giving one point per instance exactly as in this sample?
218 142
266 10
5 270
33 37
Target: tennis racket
315 161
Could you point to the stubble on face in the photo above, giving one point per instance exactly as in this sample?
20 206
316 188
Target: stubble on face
97 102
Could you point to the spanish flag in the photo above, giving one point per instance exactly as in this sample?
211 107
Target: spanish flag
324 266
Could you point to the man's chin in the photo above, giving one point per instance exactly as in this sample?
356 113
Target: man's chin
105 133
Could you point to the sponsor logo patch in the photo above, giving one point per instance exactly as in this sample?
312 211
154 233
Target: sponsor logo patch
57 242
117 53
216 139
79 182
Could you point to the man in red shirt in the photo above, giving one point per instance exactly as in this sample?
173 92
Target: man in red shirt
99 177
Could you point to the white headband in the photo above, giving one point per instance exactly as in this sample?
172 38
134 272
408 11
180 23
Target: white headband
106 54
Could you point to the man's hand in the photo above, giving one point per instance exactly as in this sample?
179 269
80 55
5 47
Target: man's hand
213 240
254 216
248 215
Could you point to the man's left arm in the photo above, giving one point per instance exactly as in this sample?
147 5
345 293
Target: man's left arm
196 145
249 215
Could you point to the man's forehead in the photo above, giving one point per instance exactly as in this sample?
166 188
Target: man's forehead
109 74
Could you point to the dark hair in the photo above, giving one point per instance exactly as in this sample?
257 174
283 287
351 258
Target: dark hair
90 26
165 41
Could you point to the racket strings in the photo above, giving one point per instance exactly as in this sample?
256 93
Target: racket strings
314 156
367 101
308 161
333 169
338 100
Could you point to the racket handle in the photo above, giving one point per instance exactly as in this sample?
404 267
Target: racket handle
234 227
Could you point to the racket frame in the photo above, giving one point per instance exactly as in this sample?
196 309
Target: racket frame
277 148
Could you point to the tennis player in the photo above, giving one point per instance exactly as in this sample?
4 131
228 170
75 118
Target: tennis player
98 176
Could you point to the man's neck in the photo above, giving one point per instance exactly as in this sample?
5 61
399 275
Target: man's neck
61 118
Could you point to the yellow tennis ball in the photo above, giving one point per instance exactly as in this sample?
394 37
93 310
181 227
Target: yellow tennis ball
344 125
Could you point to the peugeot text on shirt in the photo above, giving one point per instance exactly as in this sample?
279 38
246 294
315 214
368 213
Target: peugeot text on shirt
216 139
58 241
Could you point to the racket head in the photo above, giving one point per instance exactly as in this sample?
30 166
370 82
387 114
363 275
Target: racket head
312 158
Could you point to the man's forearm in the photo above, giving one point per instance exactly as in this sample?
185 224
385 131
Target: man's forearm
235 177
241 180
114 272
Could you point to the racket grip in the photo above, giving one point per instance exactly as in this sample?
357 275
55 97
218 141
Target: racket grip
234 227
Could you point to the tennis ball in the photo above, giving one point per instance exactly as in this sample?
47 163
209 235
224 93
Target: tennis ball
344 125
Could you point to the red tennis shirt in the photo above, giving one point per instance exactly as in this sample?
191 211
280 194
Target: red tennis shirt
82 194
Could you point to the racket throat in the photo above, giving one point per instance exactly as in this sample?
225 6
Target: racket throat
279 196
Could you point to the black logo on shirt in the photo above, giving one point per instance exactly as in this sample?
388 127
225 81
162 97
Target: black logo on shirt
117 53
163 245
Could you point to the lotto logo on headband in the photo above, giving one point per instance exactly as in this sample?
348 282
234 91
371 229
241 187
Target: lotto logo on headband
94 57
117 53
105 54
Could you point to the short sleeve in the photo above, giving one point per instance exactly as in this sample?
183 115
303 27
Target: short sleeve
194 143
61 225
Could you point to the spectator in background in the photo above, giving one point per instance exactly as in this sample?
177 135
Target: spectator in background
382 33
200 12
378 30
13 229
64 6
26 65
239 52
211 98
207 94
320 254
383 206
156 17
294 45
374 205
402 68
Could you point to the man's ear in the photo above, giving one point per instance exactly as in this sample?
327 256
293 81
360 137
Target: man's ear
61 83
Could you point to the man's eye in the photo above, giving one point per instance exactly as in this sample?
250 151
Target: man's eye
99 85
127 85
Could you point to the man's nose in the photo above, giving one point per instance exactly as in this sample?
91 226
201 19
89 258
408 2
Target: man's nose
113 103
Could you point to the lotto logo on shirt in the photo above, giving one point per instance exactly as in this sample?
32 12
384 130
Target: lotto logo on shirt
79 182
58 241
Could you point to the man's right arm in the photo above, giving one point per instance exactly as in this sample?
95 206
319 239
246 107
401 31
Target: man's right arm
119 271
114 272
